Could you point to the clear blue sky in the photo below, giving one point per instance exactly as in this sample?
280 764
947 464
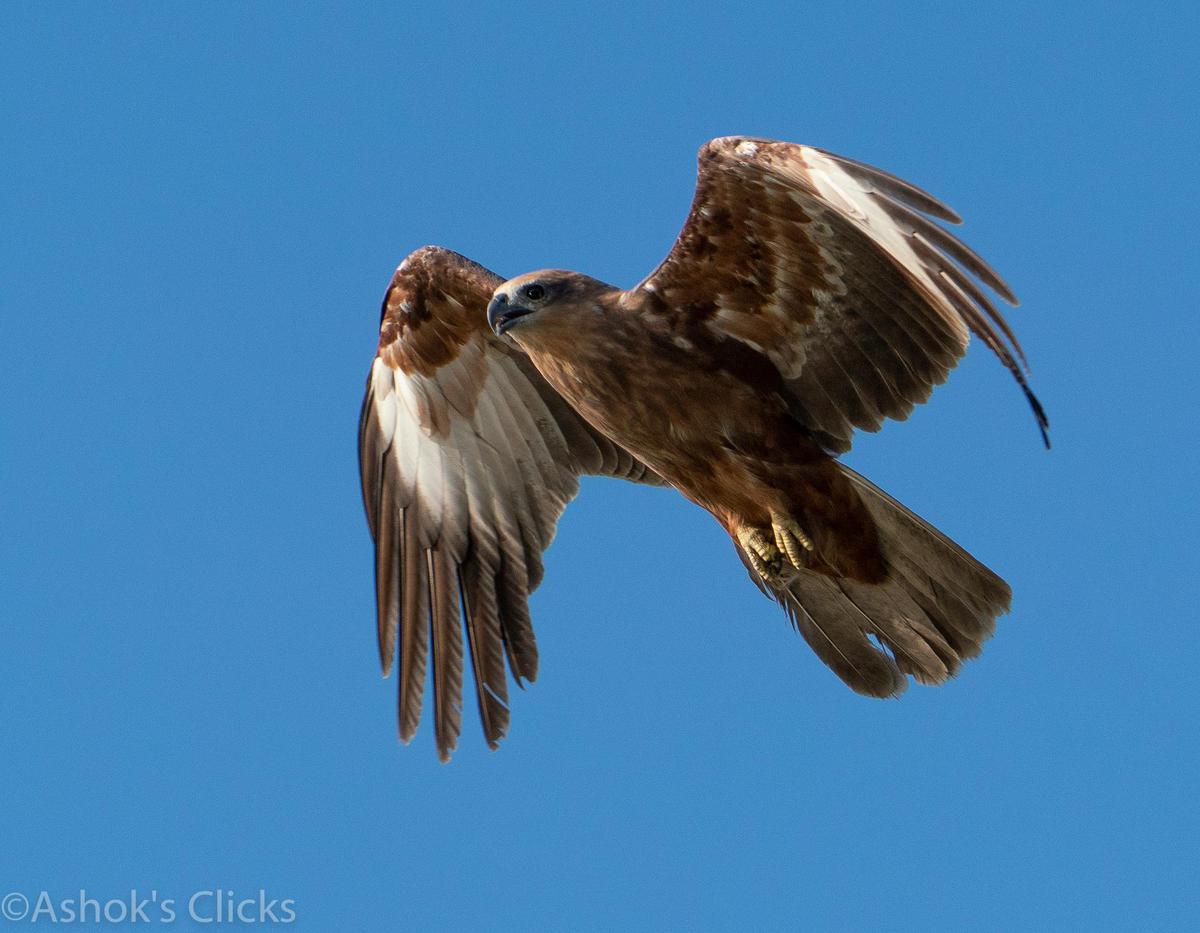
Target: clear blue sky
201 209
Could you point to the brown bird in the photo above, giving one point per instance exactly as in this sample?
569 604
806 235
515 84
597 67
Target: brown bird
807 295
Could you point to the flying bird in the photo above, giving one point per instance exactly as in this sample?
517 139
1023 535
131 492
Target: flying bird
808 296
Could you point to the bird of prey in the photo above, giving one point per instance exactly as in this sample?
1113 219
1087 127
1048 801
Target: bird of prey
807 296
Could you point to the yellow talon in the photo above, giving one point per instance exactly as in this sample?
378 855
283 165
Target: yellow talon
791 540
764 556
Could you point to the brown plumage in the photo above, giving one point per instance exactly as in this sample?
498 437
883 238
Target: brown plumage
806 296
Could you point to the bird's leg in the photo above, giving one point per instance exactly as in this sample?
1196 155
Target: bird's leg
791 540
766 559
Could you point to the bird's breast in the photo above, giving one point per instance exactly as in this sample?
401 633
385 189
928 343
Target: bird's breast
667 409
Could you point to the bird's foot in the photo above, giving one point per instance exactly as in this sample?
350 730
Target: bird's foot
766 559
791 540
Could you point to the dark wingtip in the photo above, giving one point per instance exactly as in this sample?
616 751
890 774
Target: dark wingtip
1043 421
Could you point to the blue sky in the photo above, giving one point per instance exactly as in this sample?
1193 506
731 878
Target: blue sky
202 208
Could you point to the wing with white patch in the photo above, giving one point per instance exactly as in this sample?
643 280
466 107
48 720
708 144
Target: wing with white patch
832 270
468 458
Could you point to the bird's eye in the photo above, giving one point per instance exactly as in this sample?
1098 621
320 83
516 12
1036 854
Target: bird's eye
535 292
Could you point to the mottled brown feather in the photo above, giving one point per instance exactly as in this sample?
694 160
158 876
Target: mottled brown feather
467 458
827 267
807 296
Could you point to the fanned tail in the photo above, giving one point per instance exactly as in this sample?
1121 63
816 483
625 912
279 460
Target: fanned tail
935 610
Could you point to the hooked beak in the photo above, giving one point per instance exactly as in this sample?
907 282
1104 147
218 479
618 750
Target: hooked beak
502 314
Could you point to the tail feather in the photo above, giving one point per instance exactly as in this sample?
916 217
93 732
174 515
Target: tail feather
936 608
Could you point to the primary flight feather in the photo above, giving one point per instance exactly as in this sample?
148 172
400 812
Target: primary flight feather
807 296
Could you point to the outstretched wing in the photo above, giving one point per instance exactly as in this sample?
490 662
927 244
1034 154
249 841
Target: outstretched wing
830 269
468 458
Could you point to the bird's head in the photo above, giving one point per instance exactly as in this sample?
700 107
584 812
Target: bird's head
552 299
